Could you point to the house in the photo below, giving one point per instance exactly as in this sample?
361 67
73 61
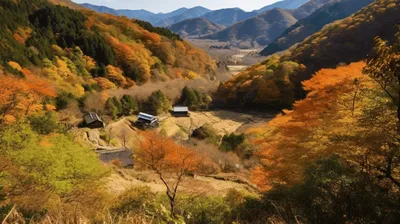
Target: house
180 111
92 120
124 156
147 121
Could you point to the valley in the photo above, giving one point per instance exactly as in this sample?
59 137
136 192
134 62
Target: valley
121 112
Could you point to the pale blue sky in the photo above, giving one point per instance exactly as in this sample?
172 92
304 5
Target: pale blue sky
170 5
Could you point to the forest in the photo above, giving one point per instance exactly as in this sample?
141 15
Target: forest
329 154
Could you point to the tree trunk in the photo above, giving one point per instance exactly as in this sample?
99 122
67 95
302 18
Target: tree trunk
398 107
172 204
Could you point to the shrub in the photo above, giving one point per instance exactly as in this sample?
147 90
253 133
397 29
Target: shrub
44 124
206 132
137 200
205 210
232 141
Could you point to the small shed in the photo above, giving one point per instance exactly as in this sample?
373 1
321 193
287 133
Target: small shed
92 120
124 156
147 121
180 111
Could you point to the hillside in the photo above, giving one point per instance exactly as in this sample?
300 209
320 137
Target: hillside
108 55
313 23
188 14
262 29
276 82
267 26
67 3
195 27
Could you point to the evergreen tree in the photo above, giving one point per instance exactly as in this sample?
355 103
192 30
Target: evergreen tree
110 108
189 97
158 102
129 105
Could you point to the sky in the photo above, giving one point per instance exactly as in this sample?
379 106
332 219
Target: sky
170 5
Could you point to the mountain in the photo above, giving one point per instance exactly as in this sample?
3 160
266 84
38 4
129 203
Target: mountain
311 24
159 19
309 7
229 16
101 9
280 77
267 26
187 14
137 14
284 4
262 29
195 27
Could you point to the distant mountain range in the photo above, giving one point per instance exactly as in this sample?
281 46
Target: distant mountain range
278 26
263 28
229 16
186 14
285 4
224 17
313 23
195 27
267 26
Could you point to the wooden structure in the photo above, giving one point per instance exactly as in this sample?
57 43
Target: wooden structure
92 120
145 121
180 111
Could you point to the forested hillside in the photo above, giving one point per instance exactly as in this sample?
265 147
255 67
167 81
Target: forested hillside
313 23
276 82
37 33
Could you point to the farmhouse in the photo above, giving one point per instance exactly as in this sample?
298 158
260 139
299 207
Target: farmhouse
180 111
147 121
124 156
92 120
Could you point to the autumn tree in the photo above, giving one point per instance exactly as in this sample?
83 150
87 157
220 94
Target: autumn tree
343 113
95 102
384 67
22 97
171 162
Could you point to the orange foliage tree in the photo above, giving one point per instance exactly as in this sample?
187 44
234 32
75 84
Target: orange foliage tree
22 96
330 120
169 160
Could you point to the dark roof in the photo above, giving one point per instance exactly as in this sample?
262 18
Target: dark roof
125 156
91 117
180 109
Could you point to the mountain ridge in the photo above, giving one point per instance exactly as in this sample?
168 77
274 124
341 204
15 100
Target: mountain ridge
311 24
195 27
264 31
